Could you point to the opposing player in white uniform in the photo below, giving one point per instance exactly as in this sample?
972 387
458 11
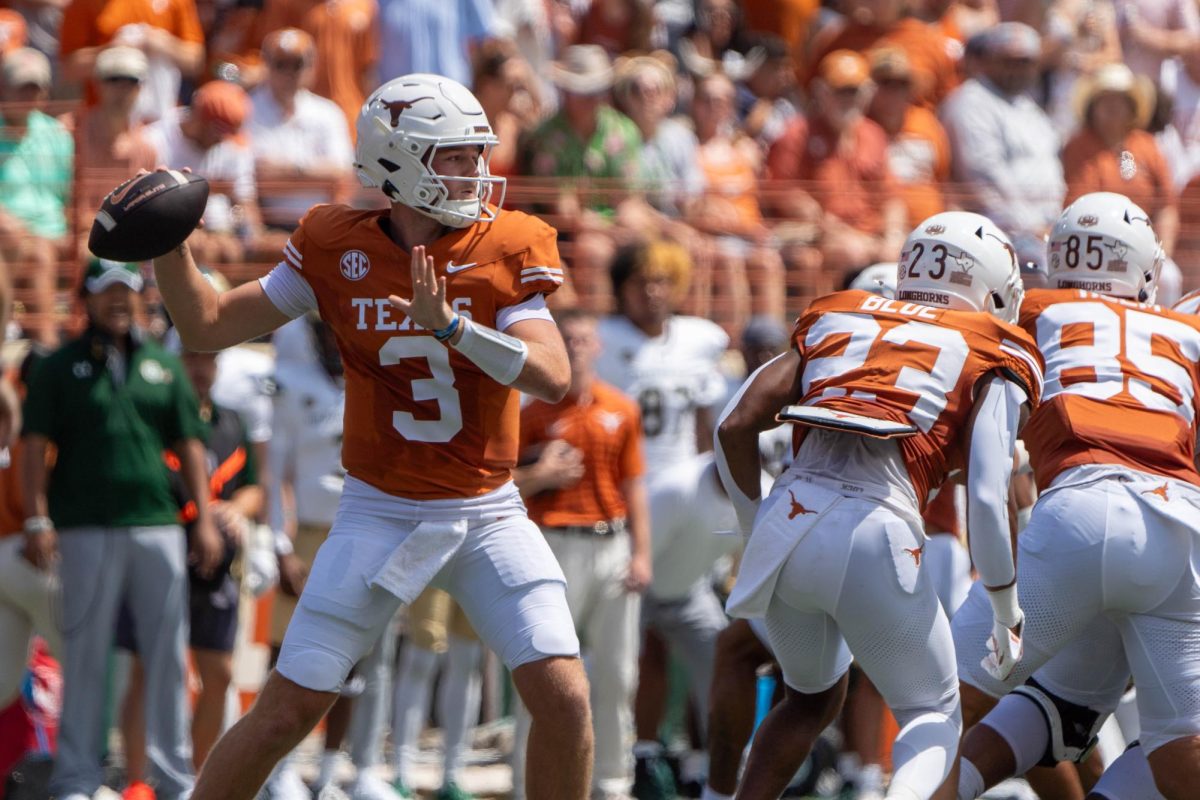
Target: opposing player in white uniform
668 363
833 562
437 304
1110 558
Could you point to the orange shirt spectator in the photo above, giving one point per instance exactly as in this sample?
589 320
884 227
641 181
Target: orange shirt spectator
1112 153
787 19
167 31
346 33
918 148
604 426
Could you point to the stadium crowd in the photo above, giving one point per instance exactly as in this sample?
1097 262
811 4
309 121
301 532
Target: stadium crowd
710 167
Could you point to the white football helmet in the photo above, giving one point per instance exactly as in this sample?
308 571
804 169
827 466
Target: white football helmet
401 128
1104 243
961 260
878 278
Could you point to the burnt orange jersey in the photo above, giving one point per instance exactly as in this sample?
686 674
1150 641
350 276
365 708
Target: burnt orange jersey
1121 383
886 359
422 421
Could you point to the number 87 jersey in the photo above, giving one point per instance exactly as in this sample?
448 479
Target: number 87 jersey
870 356
1121 383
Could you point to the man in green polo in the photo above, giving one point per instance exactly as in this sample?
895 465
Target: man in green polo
111 403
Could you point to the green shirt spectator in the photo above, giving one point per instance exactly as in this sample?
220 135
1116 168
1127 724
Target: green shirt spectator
111 416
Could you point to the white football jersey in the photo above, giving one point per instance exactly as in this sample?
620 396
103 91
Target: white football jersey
306 448
244 384
670 377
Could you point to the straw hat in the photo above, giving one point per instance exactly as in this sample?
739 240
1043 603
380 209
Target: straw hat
583 69
1120 79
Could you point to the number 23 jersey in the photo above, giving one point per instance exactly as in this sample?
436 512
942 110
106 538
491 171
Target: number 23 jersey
422 421
1121 383
887 359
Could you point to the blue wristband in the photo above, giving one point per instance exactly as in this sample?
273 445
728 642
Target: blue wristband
448 331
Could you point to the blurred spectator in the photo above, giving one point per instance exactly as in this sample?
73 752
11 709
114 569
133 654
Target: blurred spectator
233 499
1004 149
619 26
511 97
748 262
36 155
1113 153
232 51
787 19
1155 30
206 138
167 31
769 96
878 23
1080 37
434 36
111 402
918 149
959 20
528 24
346 33
13 32
299 139
106 137
713 43
843 159
1180 140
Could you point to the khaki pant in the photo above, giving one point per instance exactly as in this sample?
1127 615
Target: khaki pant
27 603
433 617
309 539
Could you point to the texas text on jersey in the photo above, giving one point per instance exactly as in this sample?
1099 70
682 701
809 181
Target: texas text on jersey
422 421
868 355
1121 384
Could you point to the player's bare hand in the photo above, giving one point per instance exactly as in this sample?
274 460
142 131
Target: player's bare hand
230 522
292 575
208 547
41 549
1004 648
428 307
10 414
638 574
560 465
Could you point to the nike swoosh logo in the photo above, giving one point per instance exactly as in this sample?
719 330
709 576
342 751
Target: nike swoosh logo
452 267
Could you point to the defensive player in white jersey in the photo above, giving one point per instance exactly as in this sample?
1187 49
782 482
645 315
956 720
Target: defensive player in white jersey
1110 557
892 394
438 307
668 363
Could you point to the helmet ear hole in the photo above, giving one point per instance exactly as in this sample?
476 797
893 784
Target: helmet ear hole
390 166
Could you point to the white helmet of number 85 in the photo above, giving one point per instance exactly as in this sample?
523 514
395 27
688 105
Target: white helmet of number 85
1104 243
961 260
403 125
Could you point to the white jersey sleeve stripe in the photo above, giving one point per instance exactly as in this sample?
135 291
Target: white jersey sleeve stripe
293 254
288 290
551 278
554 270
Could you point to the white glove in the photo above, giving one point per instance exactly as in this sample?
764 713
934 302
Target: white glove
1004 648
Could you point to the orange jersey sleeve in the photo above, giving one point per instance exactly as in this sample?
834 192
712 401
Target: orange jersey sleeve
886 359
1121 384
421 421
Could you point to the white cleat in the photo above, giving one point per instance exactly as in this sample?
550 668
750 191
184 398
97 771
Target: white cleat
286 784
371 787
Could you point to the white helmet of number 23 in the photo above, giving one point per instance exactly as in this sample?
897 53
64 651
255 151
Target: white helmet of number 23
1104 243
403 125
961 260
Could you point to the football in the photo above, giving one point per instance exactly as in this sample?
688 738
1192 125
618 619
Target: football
148 215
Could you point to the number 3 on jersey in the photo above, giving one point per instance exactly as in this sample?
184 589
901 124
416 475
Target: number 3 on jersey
931 388
439 387
1090 352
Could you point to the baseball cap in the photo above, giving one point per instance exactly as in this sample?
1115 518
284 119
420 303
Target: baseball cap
287 42
764 331
25 66
222 104
890 63
102 273
121 62
1013 39
13 31
843 69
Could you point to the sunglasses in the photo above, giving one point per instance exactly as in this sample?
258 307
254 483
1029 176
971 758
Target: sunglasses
289 65
125 80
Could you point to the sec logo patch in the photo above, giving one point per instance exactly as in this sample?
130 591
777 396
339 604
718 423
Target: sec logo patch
355 265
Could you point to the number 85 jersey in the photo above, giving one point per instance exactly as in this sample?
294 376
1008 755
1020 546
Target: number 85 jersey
886 359
1121 383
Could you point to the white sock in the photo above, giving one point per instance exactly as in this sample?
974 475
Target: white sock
328 770
414 679
848 765
647 748
970 782
870 777
458 701
710 793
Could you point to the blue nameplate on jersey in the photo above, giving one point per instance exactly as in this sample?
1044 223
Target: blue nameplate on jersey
819 417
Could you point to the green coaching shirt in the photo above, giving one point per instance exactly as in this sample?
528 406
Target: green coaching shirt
111 418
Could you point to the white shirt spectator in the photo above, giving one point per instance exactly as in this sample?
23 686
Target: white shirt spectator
1170 15
313 135
1006 151
228 161
245 384
432 36
1180 140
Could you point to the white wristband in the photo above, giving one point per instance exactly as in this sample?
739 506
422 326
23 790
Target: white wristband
500 356
38 524
1005 608
283 544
